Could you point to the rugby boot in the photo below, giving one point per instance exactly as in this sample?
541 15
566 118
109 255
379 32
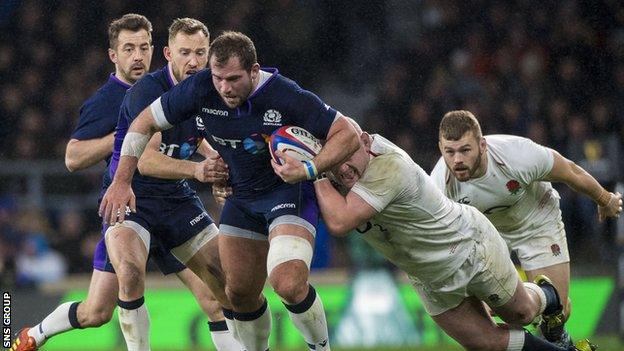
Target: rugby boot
584 345
553 320
24 342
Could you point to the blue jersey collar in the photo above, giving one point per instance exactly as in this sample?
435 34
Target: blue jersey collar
170 77
112 78
245 108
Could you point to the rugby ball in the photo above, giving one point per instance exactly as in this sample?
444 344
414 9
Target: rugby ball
295 142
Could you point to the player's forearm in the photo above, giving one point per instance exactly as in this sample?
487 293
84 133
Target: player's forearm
574 176
125 169
333 208
582 182
81 154
342 142
155 164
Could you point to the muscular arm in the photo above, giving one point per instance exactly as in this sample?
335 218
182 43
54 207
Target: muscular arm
153 163
579 180
575 177
341 214
342 142
81 154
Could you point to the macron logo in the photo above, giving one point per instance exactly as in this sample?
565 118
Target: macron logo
282 206
198 218
213 111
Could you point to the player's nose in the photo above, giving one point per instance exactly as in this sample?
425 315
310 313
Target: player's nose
193 62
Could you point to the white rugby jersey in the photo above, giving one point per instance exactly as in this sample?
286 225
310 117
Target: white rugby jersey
417 228
510 193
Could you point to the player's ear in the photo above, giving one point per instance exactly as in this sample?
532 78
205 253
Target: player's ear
255 71
365 138
482 144
112 55
167 53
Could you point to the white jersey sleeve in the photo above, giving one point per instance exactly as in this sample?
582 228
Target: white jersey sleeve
439 175
382 171
528 160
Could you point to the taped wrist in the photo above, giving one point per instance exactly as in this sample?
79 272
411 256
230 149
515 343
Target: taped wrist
134 144
311 171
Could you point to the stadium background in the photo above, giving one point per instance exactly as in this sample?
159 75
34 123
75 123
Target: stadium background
552 71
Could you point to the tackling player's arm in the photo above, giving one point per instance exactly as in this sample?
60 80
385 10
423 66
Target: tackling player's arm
568 172
154 163
342 141
341 213
81 154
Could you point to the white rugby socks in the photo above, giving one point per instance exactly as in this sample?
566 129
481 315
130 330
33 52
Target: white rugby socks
135 324
222 337
62 319
309 317
253 328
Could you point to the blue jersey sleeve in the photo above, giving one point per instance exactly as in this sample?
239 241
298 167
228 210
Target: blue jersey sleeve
184 100
139 97
98 118
136 100
311 113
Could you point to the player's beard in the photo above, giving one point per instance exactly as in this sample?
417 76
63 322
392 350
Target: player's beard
238 98
471 170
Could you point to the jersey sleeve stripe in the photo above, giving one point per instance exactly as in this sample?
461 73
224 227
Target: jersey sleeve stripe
159 114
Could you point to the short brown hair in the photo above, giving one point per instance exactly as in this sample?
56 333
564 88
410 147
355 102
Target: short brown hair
188 26
131 22
455 124
234 44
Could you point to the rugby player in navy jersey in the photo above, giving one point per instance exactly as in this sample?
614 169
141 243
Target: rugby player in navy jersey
92 142
130 49
169 211
267 226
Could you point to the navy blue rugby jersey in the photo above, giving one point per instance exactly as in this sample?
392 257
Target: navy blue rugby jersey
98 115
180 142
240 135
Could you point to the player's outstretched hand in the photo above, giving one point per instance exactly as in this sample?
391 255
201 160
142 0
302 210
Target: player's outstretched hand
117 202
612 209
291 170
220 191
212 169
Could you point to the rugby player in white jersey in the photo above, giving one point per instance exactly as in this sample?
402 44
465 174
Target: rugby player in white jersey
508 178
451 252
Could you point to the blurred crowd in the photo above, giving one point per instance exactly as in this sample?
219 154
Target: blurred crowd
549 70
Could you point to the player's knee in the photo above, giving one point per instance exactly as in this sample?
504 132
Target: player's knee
290 290
130 275
288 264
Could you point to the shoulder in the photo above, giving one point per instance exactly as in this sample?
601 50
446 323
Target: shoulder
389 162
518 153
107 97
148 84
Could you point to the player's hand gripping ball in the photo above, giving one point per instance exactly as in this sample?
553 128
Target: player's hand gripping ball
295 142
